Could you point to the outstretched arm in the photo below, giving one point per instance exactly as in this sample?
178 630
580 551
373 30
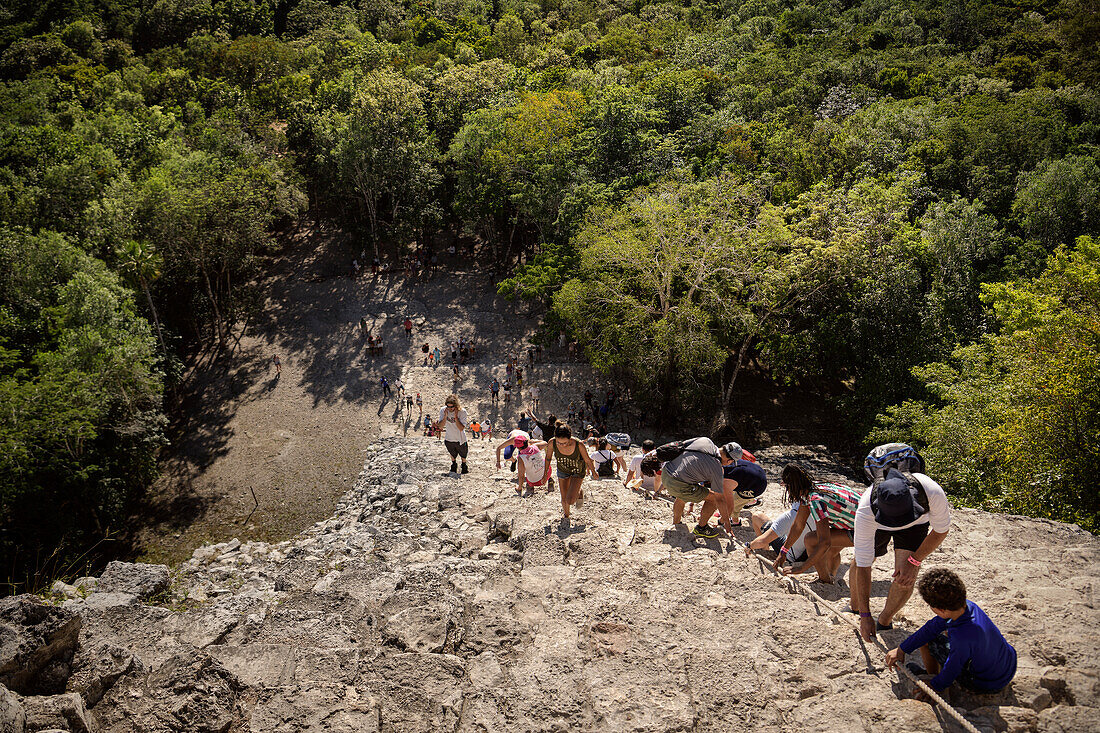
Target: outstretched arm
797 526
824 536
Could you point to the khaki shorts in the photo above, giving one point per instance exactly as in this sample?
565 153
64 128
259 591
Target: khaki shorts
683 490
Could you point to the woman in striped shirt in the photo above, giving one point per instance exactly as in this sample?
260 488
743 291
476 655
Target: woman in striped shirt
833 507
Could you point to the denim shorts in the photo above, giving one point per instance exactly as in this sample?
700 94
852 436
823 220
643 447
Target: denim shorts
563 476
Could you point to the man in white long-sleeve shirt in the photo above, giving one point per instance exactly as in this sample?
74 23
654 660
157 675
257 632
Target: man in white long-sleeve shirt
916 517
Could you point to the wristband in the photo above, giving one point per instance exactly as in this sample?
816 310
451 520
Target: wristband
784 550
865 614
914 561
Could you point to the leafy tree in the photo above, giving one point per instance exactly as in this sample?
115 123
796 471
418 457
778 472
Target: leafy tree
380 151
79 400
1059 200
1014 426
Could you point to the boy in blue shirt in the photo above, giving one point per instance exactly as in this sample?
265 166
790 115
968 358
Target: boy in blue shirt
974 652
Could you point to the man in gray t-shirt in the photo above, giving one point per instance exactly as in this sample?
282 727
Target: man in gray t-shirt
683 477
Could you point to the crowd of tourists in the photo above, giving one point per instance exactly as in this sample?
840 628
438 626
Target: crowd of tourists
902 507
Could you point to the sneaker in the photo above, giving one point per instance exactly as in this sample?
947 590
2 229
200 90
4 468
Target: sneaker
706 532
454 466
751 504
465 468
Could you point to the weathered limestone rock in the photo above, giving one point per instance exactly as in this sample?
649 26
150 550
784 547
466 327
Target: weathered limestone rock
37 642
13 719
58 712
137 579
189 692
97 670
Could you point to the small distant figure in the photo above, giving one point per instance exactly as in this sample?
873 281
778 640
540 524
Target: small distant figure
534 398
409 403
355 267
278 364
487 430
426 351
438 356
561 340
454 353
507 390
408 327
363 325
454 374
494 390
420 404
385 387
375 266
572 414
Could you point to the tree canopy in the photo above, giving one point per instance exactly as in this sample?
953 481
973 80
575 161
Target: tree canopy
849 198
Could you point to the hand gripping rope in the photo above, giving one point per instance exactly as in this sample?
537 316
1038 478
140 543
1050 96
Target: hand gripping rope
796 586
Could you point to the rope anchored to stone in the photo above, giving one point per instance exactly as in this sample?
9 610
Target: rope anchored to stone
796 586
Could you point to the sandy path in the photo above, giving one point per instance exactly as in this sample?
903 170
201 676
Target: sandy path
298 439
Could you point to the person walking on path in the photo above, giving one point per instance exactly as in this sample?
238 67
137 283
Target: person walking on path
573 462
438 356
408 327
385 387
419 406
409 403
494 391
278 364
534 398
400 387
453 420
974 652
903 509
833 507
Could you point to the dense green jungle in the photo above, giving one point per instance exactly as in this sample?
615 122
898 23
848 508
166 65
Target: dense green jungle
892 204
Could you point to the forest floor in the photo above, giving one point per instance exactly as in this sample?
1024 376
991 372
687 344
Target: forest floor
260 456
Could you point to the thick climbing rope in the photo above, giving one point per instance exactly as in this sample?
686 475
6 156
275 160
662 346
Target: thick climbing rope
797 586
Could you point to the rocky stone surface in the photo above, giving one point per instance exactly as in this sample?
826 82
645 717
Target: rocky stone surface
430 601
37 642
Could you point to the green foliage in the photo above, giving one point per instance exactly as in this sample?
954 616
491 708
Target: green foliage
79 398
1015 421
868 170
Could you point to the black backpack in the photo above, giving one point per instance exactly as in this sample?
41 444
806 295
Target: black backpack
669 451
910 479
882 458
607 468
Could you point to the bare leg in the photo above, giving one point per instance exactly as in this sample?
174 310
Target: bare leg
677 511
898 596
758 519
575 489
563 485
706 511
931 666
521 474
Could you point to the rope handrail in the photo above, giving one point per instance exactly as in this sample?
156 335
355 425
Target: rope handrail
796 585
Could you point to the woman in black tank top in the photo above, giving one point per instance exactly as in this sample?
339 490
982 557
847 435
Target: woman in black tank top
573 463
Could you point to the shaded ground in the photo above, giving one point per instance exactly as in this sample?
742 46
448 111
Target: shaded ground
297 439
